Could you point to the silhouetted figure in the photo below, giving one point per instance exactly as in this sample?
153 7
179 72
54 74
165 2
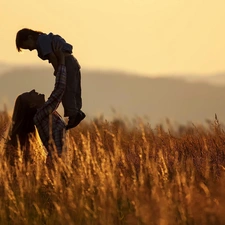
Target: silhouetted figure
71 101
32 110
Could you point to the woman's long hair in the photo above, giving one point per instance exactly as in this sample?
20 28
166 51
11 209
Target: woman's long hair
22 127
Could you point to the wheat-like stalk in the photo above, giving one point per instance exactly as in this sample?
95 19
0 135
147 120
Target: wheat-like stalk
116 173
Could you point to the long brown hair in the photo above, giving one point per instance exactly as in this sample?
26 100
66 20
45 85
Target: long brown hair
22 126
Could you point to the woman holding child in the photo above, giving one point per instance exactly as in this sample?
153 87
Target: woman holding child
31 110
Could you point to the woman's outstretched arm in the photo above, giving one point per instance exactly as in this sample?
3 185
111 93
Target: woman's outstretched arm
56 96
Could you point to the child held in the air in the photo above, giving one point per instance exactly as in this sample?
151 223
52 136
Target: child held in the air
42 42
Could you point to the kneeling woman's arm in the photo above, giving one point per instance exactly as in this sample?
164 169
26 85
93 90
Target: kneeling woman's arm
56 96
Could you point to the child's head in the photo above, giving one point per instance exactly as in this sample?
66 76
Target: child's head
26 39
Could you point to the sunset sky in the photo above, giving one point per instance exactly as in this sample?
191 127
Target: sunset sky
150 37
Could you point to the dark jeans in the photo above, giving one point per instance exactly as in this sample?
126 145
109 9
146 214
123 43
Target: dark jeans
72 101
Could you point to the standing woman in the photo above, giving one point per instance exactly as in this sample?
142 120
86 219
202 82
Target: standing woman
32 110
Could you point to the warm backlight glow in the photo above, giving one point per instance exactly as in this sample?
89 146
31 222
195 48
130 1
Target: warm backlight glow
145 36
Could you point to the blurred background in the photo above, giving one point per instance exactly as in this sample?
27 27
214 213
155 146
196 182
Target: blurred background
156 59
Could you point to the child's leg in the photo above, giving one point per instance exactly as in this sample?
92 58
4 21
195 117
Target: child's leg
72 101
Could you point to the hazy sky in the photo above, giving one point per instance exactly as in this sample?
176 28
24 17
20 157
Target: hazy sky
144 36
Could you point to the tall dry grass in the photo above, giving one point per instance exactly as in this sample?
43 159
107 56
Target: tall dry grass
119 173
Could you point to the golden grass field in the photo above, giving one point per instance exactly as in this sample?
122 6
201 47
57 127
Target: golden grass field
119 173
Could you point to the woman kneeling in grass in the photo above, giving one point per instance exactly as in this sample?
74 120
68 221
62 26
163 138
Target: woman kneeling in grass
32 110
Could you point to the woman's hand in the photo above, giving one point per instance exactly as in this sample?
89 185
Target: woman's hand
57 49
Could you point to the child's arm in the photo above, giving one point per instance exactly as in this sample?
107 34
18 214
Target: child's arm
45 50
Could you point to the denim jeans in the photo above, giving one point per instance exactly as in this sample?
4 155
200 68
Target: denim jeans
72 101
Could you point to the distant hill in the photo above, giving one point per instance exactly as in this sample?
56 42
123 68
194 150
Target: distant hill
216 79
3 68
129 95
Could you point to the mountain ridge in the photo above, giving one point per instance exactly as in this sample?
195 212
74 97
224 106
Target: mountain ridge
129 95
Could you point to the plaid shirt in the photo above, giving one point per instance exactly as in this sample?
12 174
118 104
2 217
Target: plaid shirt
49 123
